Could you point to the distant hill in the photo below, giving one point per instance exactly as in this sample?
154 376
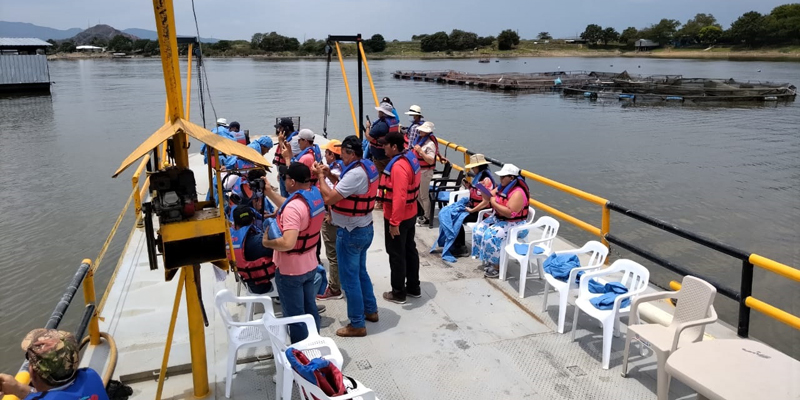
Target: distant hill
99 32
24 29
153 35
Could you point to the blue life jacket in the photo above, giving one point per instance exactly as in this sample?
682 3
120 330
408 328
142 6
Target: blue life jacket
313 148
337 164
86 386
239 137
412 159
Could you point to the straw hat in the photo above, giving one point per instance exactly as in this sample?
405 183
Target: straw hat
476 160
334 146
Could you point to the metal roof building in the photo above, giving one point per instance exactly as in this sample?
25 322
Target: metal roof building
23 65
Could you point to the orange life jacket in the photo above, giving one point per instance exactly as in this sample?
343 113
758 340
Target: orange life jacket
357 205
307 239
421 141
386 187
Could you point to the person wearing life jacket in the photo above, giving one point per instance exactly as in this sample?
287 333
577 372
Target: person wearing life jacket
235 131
254 262
385 124
399 189
351 200
415 112
426 148
309 153
509 200
53 363
333 160
287 138
478 168
300 219
222 130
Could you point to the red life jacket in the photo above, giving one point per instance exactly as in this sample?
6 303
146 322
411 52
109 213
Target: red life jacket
386 187
278 159
254 272
475 196
420 141
307 239
357 205
503 196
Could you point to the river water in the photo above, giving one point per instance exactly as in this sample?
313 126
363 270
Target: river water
728 172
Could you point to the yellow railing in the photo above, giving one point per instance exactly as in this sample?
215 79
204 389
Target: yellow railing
139 194
759 261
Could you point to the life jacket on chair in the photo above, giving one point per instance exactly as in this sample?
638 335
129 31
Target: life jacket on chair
475 196
278 159
420 141
357 205
254 272
386 187
307 240
503 193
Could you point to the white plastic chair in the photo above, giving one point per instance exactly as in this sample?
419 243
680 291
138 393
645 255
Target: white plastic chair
634 276
314 346
249 309
245 334
457 195
597 256
694 311
488 212
361 392
549 227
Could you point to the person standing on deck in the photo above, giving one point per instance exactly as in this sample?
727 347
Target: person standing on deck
333 160
53 360
399 188
222 130
417 120
426 148
352 200
385 124
300 219
286 132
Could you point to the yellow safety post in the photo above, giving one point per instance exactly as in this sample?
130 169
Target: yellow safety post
23 377
197 337
347 89
137 196
369 74
170 332
605 224
189 81
89 297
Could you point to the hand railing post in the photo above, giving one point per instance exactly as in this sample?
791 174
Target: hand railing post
605 224
745 291
89 297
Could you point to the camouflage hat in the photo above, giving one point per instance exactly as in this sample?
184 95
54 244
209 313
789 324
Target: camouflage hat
53 355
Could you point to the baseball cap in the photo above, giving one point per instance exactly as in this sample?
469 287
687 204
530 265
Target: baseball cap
52 354
264 141
385 108
297 171
508 169
306 134
352 142
334 146
285 121
395 138
243 216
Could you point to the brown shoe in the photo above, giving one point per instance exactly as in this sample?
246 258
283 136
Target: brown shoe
389 296
371 317
350 331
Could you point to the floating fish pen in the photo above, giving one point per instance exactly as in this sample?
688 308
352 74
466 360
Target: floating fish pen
679 89
537 81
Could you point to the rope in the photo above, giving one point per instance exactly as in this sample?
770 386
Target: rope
113 232
202 67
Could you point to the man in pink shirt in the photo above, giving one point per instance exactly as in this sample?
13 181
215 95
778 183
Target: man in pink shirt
399 189
300 220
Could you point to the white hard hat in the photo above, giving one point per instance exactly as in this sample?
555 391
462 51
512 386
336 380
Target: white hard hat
414 110
222 122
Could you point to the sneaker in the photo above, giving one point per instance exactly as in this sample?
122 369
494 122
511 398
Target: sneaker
491 273
422 221
321 308
389 296
351 331
416 294
330 295
371 317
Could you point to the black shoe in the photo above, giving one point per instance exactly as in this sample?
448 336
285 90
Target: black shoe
414 294
461 252
389 296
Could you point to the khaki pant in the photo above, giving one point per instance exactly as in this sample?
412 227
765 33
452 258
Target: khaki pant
329 238
425 177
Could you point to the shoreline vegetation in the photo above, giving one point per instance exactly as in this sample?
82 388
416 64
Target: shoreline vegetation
400 50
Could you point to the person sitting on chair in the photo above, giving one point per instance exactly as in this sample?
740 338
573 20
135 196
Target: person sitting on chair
480 168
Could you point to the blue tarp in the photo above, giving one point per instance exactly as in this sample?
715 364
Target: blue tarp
451 218
559 265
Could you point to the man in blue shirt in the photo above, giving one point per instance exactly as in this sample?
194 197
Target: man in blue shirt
53 358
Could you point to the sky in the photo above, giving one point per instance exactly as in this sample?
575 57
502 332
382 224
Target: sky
240 19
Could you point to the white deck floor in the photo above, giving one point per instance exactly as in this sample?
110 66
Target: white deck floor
466 338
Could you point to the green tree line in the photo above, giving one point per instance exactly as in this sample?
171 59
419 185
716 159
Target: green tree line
780 27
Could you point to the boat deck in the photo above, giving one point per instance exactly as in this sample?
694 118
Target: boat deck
467 337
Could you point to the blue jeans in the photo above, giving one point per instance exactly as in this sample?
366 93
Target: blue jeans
351 253
297 298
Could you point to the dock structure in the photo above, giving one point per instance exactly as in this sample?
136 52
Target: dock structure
535 81
23 65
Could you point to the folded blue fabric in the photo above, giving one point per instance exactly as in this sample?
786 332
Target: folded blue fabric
451 218
522 249
610 292
272 229
559 265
